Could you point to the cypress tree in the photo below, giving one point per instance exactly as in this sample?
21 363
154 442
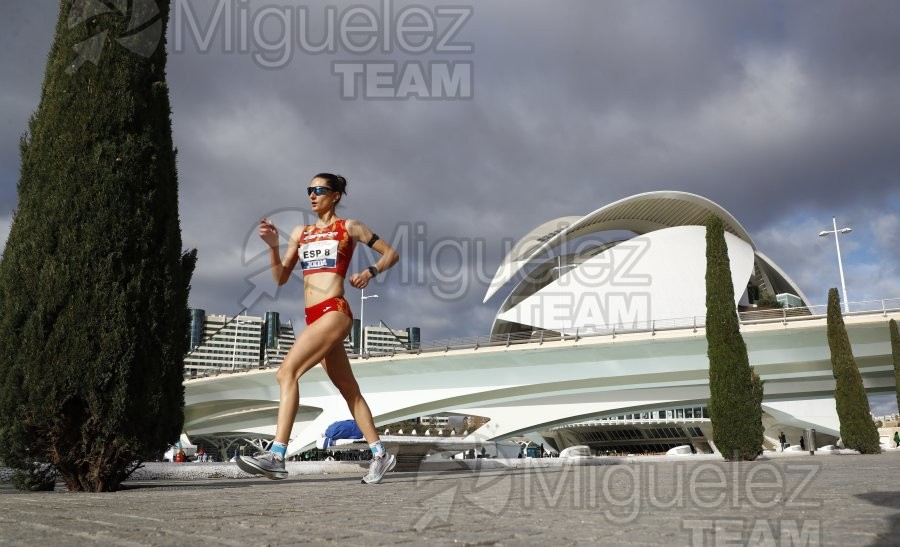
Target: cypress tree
93 280
736 390
858 431
895 352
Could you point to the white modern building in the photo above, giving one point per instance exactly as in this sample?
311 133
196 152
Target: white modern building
221 343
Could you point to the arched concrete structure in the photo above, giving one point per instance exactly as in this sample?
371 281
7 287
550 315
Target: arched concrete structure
533 386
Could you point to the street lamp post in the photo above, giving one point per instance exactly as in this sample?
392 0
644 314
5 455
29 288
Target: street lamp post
362 325
237 325
837 245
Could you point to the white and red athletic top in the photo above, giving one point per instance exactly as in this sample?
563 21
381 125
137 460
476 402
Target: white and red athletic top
326 249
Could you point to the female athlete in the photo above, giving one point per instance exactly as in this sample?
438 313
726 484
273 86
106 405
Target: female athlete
324 251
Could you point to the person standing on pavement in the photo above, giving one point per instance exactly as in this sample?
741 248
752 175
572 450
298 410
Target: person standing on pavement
323 251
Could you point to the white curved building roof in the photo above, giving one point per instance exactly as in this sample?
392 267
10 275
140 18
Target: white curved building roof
593 286
641 213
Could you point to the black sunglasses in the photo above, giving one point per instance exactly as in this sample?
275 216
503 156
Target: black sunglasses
318 190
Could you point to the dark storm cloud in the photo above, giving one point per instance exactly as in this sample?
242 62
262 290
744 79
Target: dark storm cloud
785 115
24 43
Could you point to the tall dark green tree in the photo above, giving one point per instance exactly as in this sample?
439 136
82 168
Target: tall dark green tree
736 390
858 431
895 352
93 279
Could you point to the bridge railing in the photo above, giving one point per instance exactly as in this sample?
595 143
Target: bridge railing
785 315
651 327
750 317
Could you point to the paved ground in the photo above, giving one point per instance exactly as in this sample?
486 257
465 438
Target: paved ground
800 500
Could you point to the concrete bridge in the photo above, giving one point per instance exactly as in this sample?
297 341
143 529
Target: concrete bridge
531 385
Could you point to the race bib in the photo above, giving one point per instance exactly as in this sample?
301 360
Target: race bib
317 255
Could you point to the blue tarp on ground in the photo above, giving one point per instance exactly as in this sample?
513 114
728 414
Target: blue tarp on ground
346 429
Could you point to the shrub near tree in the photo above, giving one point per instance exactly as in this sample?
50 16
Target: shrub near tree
858 431
93 280
736 390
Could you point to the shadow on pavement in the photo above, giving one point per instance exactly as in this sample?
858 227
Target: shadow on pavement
886 499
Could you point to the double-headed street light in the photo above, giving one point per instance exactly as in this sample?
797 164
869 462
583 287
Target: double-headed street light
837 245
362 325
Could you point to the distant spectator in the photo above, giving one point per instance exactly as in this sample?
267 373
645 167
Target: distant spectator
896 439
783 440
802 443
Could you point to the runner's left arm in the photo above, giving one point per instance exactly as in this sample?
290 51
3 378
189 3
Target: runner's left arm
360 232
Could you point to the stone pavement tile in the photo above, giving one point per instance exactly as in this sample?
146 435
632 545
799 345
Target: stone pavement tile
832 500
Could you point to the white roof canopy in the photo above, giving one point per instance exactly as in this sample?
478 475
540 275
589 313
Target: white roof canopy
641 213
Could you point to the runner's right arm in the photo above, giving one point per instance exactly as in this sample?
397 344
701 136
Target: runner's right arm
281 268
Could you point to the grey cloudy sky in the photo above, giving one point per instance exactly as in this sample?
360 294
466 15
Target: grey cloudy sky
785 113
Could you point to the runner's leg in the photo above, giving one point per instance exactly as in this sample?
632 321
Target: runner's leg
313 344
337 365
